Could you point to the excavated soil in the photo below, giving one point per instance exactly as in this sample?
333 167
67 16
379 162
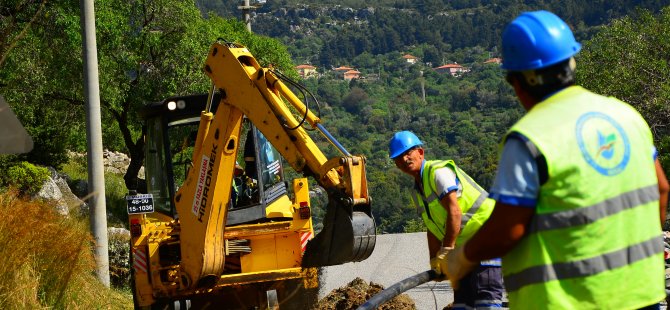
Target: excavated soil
356 293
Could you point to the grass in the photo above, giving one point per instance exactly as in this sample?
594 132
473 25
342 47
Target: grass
115 191
46 260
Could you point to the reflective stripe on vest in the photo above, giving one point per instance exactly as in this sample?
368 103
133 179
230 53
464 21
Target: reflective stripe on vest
595 239
466 216
585 267
590 214
478 203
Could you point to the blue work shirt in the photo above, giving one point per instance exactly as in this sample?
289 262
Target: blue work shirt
517 182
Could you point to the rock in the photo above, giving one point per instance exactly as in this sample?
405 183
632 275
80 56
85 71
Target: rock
114 162
56 189
71 200
119 232
79 188
51 192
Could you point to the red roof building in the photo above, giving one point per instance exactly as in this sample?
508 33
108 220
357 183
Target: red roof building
453 69
410 59
306 71
495 60
351 74
341 70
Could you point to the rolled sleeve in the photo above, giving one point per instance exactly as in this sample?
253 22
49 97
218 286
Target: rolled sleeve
517 180
446 182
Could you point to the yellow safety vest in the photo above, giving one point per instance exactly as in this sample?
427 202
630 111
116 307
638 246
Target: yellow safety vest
474 204
595 241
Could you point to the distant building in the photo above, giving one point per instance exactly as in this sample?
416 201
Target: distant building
410 59
306 71
453 69
339 71
495 60
351 74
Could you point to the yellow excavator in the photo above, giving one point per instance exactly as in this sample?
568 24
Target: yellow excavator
218 226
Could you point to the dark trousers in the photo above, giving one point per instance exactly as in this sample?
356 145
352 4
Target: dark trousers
480 289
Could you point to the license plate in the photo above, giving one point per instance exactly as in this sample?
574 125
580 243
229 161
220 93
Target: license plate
138 204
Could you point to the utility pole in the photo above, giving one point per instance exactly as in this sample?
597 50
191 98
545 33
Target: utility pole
423 87
96 178
246 8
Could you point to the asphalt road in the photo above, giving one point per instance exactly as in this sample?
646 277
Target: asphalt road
396 257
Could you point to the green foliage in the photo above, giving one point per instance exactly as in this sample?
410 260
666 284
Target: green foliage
414 225
115 199
76 168
329 33
115 190
151 49
147 50
628 60
24 176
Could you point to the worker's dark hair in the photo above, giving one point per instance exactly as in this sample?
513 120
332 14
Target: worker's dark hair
542 82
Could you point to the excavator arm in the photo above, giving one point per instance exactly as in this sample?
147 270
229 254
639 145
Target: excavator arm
247 89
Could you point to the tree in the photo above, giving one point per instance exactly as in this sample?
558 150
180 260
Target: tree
355 100
32 68
148 50
16 18
628 60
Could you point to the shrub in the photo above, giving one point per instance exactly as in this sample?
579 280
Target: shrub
24 176
119 265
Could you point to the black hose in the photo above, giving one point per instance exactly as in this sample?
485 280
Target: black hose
397 289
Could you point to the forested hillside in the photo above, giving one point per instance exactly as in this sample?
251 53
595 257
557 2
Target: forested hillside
149 50
327 33
459 117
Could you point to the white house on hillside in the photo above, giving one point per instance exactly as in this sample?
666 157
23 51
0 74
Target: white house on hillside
410 59
453 69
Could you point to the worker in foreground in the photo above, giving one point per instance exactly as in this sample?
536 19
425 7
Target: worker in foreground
453 208
580 195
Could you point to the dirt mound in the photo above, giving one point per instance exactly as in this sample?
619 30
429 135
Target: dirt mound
357 292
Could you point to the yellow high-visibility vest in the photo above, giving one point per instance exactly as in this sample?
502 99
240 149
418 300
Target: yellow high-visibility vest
474 204
595 241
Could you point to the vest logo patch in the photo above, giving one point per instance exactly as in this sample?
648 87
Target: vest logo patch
603 143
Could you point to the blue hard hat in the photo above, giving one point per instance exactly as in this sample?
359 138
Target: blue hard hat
401 142
536 40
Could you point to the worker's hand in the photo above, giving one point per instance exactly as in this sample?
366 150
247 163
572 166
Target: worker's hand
435 266
457 266
439 263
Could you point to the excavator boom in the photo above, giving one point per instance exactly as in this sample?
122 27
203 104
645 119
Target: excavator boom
349 230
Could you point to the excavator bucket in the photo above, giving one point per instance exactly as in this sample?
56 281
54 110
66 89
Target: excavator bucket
348 234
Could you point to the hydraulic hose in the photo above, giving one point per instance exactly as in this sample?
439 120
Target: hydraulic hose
397 289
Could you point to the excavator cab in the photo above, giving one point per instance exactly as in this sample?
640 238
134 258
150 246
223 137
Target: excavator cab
259 175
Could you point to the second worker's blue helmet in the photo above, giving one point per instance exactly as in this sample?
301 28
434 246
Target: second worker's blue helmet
537 40
401 142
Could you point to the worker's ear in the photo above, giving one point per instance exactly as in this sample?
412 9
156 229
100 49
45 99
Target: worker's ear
420 151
